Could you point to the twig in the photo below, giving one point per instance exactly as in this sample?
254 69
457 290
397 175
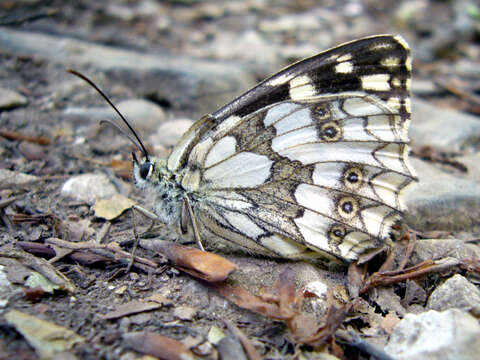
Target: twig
103 232
422 269
89 245
13 135
354 340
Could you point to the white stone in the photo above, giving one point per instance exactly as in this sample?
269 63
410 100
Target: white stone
88 188
433 335
10 99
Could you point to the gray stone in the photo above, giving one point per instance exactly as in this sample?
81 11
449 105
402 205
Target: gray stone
175 79
442 128
170 132
257 273
10 99
142 114
88 188
230 348
441 201
388 301
8 177
425 87
5 288
447 335
434 249
472 162
456 292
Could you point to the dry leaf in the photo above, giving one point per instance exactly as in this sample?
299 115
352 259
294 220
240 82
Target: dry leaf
282 302
112 208
44 336
157 345
200 264
131 308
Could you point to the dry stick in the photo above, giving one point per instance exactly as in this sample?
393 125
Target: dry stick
11 135
6 220
135 243
3 215
422 269
354 340
103 232
89 245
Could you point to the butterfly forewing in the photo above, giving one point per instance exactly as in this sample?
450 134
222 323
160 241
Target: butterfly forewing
312 161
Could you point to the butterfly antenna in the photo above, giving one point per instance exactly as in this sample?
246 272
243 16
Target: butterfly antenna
140 145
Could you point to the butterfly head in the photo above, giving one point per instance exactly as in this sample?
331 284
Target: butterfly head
148 171
143 170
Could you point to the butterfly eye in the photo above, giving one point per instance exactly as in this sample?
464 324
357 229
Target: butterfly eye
145 169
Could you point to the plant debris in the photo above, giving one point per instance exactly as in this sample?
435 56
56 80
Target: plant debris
45 337
157 345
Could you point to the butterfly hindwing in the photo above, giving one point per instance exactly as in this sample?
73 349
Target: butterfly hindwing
312 161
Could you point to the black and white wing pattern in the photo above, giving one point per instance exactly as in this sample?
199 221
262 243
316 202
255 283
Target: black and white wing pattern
311 162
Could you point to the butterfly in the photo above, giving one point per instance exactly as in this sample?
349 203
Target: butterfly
309 164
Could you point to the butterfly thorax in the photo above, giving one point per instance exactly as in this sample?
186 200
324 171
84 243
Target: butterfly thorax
168 195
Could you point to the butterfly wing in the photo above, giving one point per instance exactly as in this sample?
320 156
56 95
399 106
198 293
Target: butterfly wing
311 161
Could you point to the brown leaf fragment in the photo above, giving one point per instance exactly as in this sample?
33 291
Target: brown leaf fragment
471 265
12 135
122 168
34 294
355 278
200 264
246 300
36 249
131 308
335 318
369 255
283 302
157 345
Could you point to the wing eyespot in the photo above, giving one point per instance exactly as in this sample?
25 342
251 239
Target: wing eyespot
347 207
353 177
336 234
321 112
330 131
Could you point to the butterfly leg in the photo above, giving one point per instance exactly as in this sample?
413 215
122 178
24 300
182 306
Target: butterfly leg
191 215
147 214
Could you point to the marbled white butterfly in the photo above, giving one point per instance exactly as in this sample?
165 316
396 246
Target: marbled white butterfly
309 164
